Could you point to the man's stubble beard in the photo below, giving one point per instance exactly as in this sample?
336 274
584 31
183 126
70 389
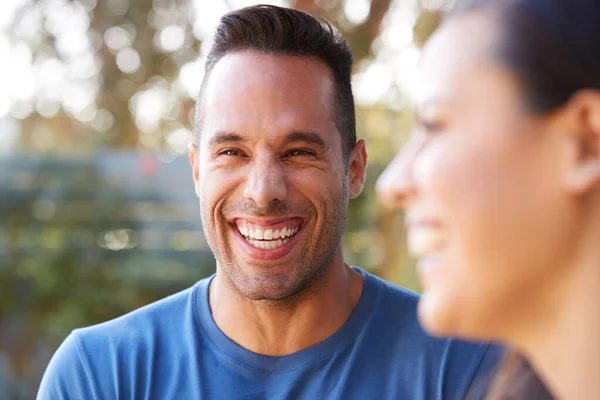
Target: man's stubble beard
312 265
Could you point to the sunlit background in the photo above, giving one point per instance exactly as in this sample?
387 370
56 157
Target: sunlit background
97 210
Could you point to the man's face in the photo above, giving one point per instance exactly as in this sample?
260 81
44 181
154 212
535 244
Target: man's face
269 172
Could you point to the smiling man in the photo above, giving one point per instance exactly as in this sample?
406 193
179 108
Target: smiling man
275 164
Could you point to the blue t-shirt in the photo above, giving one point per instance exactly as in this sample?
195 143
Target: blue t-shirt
172 349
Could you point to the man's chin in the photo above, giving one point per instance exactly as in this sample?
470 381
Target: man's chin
268 286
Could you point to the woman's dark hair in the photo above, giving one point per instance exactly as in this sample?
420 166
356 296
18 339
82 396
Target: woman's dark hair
516 380
553 48
277 30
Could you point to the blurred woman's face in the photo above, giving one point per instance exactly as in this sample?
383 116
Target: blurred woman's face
486 215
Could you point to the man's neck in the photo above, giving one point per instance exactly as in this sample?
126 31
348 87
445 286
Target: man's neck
282 328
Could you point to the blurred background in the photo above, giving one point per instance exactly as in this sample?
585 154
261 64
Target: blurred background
98 214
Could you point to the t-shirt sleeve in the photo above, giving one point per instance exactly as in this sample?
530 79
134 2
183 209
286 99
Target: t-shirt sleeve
66 376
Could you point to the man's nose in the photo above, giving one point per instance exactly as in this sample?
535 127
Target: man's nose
266 181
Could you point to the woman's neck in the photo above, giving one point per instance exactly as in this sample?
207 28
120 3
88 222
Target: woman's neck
566 352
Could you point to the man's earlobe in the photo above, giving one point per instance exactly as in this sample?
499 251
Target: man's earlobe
357 168
193 154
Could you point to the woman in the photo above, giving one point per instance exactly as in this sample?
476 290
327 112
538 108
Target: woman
501 186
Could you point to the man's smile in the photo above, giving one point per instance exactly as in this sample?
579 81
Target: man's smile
267 239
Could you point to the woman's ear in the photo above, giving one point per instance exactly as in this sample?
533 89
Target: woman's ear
583 172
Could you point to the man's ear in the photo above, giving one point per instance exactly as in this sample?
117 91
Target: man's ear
357 166
193 149
583 168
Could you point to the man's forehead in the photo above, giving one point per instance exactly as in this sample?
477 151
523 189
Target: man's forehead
252 129
249 69
257 92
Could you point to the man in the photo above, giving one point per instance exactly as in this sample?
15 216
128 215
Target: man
275 165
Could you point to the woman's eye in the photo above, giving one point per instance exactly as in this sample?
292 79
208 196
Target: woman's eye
431 127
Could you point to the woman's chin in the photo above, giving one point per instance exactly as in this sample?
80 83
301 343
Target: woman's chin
441 318
432 319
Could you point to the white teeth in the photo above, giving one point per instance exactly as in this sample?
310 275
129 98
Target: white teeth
268 238
268 244
423 241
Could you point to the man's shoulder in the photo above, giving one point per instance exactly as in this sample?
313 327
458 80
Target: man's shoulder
393 319
397 311
392 298
397 293
146 320
396 326
159 334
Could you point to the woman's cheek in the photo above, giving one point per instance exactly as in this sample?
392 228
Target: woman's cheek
441 171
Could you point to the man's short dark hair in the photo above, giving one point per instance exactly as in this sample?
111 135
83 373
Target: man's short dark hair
276 30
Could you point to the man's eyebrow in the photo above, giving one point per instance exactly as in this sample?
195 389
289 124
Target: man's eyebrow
224 137
306 137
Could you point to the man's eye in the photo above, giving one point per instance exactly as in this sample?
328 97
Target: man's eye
230 152
299 152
